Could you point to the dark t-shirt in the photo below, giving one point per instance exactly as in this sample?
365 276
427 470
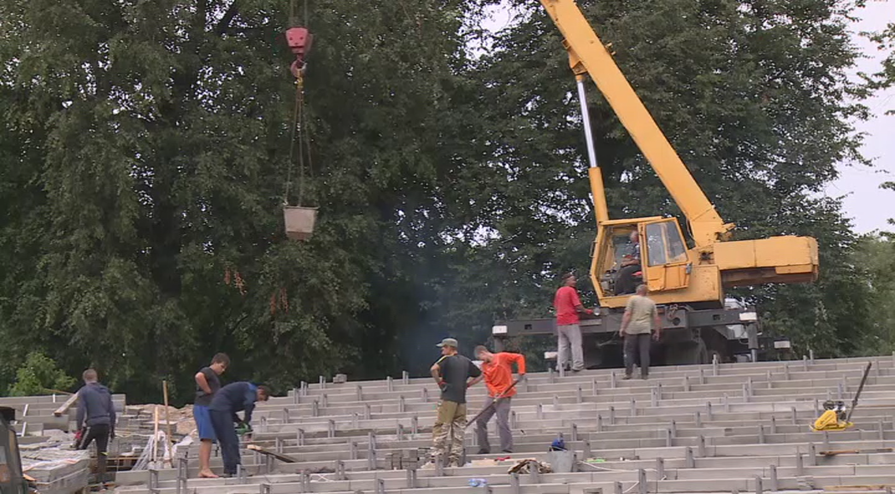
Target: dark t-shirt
456 370
203 398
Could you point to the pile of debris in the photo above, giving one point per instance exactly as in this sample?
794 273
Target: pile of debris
180 419
53 466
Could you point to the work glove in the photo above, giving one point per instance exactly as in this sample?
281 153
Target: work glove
243 428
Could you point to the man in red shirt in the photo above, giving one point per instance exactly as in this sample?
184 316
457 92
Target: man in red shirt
497 371
568 314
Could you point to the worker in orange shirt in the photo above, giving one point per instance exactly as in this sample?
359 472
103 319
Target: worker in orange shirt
497 371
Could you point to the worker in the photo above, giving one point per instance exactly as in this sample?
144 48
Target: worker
232 398
497 371
568 308
95 421
625 281
452 373
639 321
207 384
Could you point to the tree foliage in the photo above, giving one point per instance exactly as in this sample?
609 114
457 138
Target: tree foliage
876 253
145 148
39 375
885 77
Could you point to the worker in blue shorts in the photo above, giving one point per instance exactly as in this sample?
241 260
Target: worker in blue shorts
207 384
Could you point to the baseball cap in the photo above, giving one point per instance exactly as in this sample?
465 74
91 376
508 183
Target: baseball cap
448 342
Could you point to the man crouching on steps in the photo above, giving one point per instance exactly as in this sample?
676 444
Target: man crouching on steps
232 398
497 371
452 373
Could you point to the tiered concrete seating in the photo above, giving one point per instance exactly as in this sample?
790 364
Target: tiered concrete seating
712 428
34 415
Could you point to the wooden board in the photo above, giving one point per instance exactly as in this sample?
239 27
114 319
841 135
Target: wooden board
878 487
856 451
279 456
65 406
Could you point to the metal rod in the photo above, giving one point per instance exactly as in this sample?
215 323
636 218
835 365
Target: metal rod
854 402
585 118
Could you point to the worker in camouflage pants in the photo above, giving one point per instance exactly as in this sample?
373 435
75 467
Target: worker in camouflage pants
452 372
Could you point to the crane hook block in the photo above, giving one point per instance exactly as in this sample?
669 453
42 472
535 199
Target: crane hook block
299 39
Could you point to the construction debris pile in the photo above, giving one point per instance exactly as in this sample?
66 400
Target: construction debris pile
181 419
46 427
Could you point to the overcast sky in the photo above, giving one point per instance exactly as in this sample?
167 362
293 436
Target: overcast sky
864 202
867 204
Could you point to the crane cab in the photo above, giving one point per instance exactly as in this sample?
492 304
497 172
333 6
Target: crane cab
641 250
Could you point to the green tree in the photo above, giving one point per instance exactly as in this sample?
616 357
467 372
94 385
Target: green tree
146 147
877 254
885 77
40 375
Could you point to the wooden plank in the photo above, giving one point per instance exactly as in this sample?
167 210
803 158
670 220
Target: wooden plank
856 451
878 487
65 406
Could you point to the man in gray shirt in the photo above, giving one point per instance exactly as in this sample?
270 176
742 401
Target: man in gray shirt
638 322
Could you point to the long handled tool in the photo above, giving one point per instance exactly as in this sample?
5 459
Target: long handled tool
265 451
856 451
854 402
493 403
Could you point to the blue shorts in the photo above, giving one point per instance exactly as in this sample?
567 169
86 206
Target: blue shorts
203 423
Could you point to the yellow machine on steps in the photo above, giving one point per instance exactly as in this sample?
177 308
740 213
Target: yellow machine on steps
836 416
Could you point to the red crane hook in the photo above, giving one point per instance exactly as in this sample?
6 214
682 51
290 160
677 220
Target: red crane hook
299 40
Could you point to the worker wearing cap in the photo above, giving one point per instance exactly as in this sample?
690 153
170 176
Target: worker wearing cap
452 373
497 371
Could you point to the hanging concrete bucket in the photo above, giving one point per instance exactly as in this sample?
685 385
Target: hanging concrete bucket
299 222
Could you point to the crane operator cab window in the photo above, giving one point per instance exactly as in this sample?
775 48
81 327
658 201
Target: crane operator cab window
621 264
666 252
653 253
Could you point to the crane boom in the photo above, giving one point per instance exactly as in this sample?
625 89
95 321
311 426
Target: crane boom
706 225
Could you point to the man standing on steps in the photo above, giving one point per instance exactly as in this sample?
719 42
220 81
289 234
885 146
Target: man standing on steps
497 371
637 324
207 384
232 398
96 420
568 310
452 373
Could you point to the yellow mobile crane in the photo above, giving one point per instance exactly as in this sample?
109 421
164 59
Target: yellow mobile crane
688 282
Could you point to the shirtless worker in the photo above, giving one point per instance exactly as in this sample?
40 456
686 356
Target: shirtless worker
207 384
497 371
452 373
